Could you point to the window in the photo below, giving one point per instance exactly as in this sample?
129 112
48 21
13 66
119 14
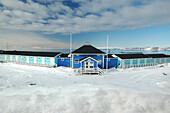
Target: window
76 61
62 59
91 66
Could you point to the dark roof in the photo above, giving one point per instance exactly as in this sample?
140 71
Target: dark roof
109 56
64 55
157 55
86 57
31 53
131 56
1 51
88 49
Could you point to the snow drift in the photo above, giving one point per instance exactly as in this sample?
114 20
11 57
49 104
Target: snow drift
60 90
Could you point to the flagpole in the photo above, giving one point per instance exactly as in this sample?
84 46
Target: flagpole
70 48
107 52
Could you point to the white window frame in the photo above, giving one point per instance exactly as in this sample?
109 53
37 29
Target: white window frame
76 61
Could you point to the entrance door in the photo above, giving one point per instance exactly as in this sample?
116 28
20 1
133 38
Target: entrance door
89 65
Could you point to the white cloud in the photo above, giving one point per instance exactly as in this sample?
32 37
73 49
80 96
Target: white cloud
91 15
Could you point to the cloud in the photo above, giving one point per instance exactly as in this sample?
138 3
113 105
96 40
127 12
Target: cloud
28 40
91 15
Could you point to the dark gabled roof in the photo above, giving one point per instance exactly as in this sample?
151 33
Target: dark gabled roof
87 57
131 56
31 53
109 56
157 55
88 49
64 55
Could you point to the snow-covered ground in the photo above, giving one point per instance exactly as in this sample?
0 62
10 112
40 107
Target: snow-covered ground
61 90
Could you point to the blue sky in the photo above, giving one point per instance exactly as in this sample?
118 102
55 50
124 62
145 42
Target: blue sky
48 23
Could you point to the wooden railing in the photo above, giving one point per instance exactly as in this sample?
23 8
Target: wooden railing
90 71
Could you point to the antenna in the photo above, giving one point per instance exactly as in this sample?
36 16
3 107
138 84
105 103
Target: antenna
107 52
70 47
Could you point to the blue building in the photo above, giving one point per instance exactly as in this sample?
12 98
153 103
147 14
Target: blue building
64 60
140 60
30 57
86 59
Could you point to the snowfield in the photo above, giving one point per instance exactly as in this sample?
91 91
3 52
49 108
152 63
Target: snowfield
32 89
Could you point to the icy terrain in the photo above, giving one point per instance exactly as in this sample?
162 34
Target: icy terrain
32 89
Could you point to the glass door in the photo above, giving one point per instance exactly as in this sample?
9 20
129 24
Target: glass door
89 65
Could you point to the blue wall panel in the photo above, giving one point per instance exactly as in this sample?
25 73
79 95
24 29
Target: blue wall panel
24 59
13 58
65 62
47 61
100 65
31 60
112 63
38 60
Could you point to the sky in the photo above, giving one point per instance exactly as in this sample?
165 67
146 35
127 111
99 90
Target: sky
47 24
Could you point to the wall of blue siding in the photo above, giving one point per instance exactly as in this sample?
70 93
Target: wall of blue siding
31 60
24 59
148 62
100 65
142 61
38 60
119 63
13 58
135 62
47 61
65 62
112 63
